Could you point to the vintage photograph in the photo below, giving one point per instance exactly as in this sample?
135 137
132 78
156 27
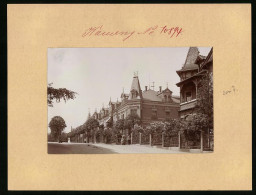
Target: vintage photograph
130 100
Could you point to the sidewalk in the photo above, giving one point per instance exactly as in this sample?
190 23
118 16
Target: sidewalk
132 149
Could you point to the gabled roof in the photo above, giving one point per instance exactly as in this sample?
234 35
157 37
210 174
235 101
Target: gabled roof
166 90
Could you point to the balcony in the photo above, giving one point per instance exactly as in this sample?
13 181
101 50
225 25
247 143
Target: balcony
188 105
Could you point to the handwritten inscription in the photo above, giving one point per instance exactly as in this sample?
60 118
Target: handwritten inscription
232 90
150 31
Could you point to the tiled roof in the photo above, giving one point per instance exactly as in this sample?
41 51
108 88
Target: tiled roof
188 67
192 55
151 95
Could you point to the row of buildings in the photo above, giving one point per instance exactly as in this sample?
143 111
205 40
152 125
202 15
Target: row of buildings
151 105
148 104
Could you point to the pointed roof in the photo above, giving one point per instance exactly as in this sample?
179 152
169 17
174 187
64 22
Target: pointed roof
192 55
190 63
135 87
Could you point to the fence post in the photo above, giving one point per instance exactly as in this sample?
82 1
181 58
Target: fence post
131 137
179 139
95 138
202 141
140 139
150 139
162 139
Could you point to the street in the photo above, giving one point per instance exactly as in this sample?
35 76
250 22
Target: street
100 148
76 148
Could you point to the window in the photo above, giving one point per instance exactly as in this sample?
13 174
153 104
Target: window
134 94
154 114
169 99
122 116
133 111
167 114
188 96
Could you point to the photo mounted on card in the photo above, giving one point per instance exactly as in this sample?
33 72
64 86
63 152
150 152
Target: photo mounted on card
129 97
127 112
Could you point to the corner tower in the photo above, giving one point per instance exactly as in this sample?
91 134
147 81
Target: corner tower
135 92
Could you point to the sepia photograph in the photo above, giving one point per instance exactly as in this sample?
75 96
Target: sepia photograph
130 100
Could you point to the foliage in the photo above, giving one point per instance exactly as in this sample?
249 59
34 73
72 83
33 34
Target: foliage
205 98
50 138
116 135
90 124
131 120
57 125
58 94
171 127
137 129
155 128
192 125
99 131
110 123
64 137
119 124
107 132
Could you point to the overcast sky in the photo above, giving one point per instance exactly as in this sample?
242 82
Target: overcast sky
97 74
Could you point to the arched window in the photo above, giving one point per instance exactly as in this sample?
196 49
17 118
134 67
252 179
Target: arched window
165 98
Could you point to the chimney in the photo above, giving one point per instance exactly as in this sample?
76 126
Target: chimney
160 88
146 88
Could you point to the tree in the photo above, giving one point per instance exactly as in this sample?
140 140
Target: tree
57 125
171 127
204 107
64 137
119 125
205 98
131 120
157 127
58 94
91 123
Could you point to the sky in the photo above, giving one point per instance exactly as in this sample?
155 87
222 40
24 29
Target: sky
98 74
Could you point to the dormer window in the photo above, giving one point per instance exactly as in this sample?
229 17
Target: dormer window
134 94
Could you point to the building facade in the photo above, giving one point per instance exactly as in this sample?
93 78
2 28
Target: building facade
149 105
190 75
